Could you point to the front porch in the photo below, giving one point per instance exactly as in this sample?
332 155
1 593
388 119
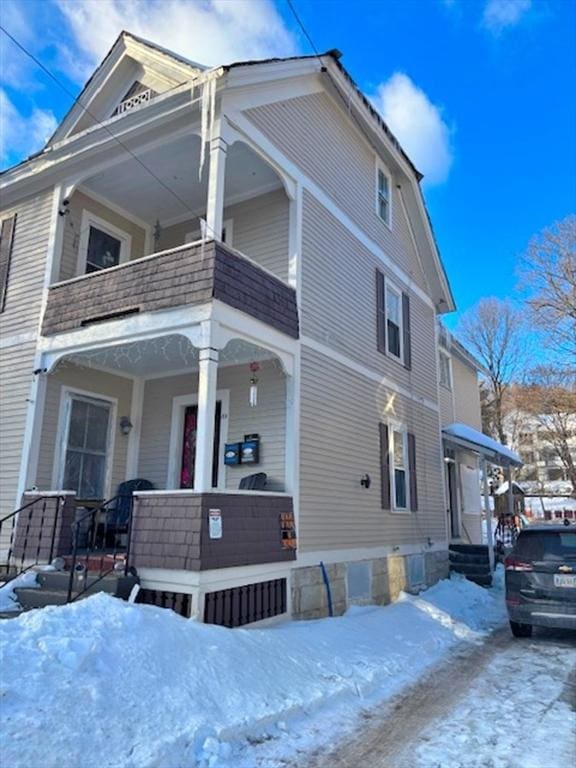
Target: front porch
208 428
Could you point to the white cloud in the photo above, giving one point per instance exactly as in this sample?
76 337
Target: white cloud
500 14
19 135
418 125
209 32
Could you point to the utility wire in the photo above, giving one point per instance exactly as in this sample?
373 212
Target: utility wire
76 100
304 30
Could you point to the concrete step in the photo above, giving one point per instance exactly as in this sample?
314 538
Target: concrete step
472 569
56 591
470 549
464 557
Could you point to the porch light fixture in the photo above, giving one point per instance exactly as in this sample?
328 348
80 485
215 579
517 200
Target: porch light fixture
125 425
157 234
253 396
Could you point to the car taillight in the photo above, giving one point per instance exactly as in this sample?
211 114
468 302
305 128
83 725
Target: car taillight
515 564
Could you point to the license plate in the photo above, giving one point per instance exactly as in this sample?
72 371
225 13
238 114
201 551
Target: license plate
562 580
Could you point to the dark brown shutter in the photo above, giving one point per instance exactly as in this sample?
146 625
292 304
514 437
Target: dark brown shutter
406 331
384 467
6 240
380 312
412 472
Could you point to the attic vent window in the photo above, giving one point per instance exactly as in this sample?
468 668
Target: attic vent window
135 97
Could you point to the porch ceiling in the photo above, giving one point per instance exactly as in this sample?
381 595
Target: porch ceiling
132 187
151 357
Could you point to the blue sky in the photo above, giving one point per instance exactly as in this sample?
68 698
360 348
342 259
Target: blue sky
481 93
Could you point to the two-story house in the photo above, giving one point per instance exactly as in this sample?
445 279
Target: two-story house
223 282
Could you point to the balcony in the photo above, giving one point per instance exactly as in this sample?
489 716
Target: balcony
189 275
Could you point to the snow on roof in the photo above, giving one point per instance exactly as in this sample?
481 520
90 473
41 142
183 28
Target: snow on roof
480 442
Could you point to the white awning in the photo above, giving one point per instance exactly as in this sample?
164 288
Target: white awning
468 437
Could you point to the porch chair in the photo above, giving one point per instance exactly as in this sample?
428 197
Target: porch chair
255 482
119 514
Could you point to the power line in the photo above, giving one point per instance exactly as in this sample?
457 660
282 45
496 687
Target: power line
76 100
304 30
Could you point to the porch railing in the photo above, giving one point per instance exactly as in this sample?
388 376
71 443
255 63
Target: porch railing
30 532
100 545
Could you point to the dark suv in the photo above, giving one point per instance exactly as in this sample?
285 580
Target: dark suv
541 579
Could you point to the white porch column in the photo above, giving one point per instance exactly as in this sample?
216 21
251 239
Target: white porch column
488 515
510 490
207 380
216 178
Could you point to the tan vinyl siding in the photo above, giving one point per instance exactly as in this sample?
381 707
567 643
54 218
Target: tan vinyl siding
341 411
268 420
27 265
338 305
91 381
446 405
16 365
80 202
259 230
318 137
466 394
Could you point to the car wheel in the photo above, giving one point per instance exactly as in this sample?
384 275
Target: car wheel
521 630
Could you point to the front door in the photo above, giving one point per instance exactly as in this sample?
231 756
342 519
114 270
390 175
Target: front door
189 446
451 488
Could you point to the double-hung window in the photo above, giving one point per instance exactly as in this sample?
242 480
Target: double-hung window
383 195
399 462
86 450
399 490
393 321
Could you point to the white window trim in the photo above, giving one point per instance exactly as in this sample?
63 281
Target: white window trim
179 405
381 167
389 285
90 219
66 396
398 427
227 224
442 353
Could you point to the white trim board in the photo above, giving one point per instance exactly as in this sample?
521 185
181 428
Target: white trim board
365 553
368 373
179 405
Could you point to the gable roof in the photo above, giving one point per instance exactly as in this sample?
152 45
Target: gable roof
125 44
183 70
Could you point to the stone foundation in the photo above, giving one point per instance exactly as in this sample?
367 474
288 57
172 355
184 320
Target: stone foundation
386 577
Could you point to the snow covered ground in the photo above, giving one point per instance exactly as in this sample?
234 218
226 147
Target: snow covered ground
514 716
105 683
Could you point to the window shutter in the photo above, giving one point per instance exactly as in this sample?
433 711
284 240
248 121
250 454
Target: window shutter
6 240
412 472
384 467
406 331
380 312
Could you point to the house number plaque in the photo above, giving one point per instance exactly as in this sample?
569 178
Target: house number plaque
215 523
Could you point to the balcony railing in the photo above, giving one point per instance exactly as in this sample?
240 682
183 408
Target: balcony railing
191 274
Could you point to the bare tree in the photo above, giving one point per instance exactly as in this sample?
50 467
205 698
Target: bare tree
550 399
548 272
493 329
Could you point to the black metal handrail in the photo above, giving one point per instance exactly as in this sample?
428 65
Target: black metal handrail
97 537
33 553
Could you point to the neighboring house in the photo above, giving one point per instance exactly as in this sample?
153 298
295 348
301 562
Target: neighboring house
203 263
467 451
532 437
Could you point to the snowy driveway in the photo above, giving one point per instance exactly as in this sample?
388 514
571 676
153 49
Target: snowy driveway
508 704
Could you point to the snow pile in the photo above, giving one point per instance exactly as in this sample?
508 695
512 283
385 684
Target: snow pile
8 599
105 683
